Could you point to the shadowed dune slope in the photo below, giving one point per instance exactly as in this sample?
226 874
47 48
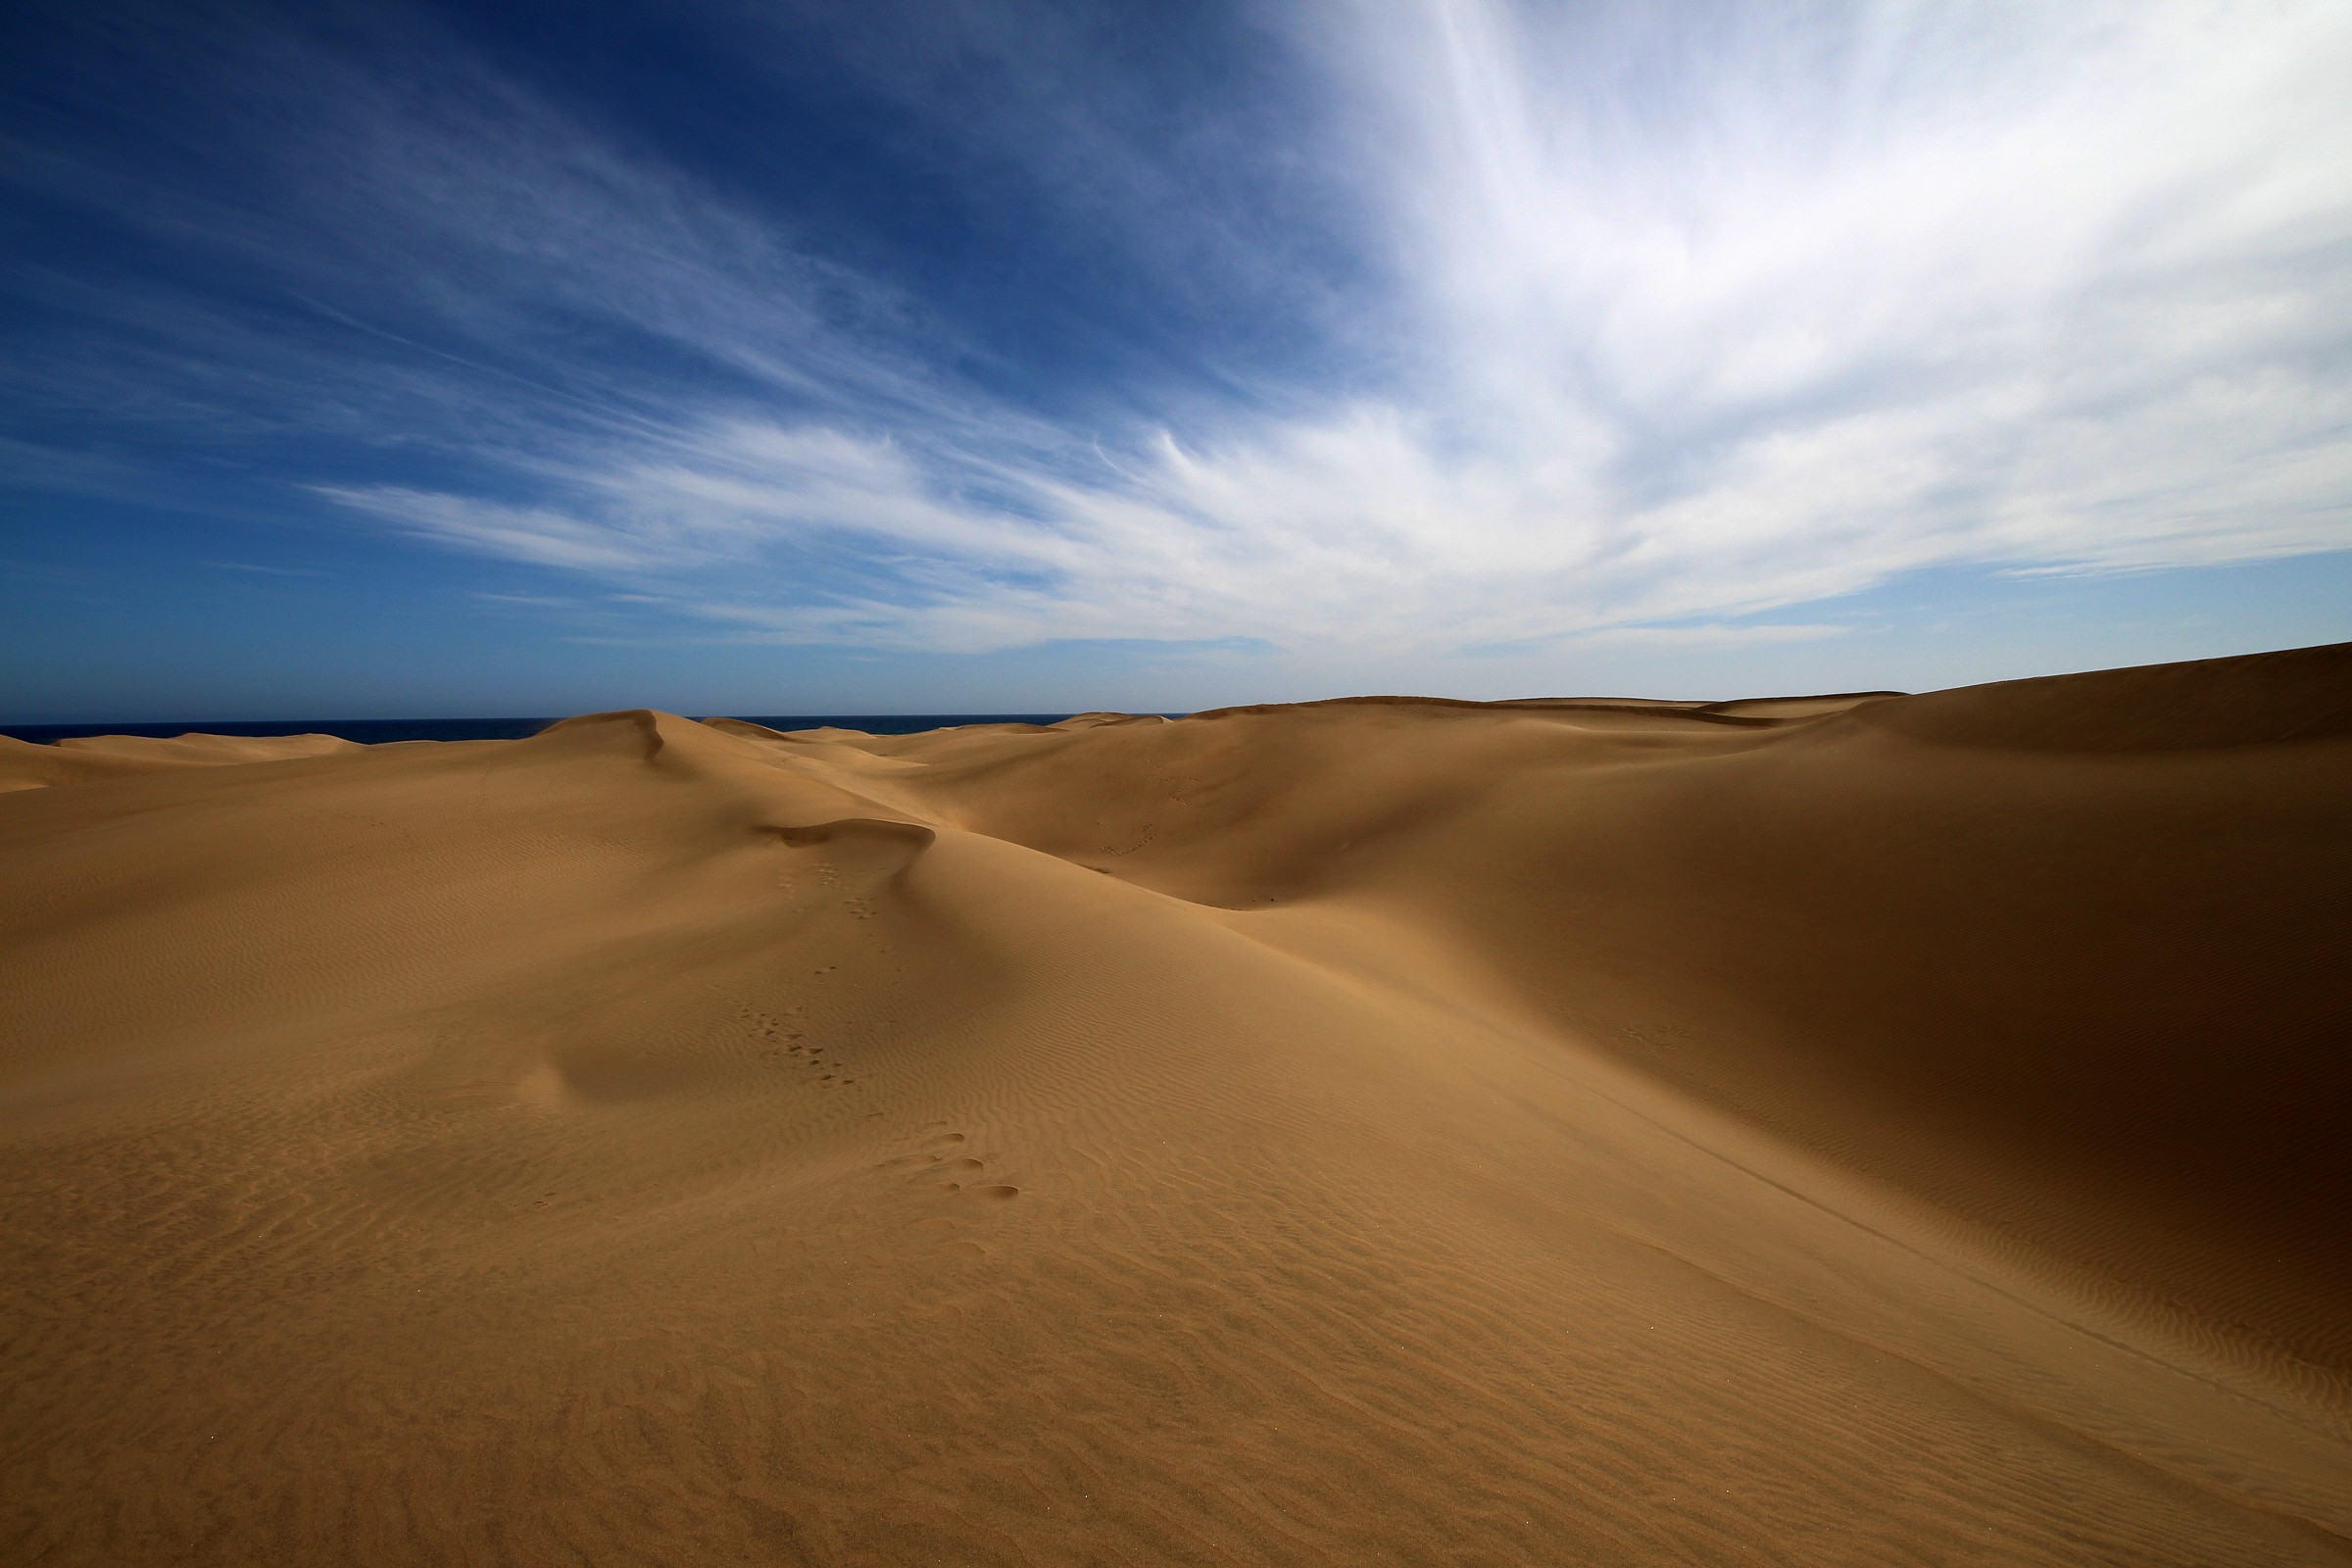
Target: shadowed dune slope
1852 1129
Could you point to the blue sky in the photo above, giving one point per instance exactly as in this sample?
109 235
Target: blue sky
376 360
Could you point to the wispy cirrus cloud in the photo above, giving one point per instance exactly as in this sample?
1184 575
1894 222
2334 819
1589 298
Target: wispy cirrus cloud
1634 321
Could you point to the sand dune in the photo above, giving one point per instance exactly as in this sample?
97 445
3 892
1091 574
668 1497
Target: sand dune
1865 1129
25 766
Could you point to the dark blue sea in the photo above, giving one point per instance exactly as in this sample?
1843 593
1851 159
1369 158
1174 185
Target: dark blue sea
376 731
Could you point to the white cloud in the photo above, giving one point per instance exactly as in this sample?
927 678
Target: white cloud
536 534
1695 313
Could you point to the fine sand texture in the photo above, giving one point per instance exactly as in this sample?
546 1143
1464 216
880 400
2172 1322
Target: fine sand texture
1858 1130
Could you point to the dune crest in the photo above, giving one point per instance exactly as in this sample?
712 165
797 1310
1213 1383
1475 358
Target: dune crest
1841 1129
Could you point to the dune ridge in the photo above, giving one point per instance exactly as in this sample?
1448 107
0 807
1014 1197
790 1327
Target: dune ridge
1861 1128
86 758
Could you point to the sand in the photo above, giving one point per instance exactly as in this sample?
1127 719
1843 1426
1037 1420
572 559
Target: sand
1858 1130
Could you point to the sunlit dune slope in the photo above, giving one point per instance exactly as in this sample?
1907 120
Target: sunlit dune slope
1834 1130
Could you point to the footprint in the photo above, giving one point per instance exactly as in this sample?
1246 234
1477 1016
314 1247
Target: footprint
939 1169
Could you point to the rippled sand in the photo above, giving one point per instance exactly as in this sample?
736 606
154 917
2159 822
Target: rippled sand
1861 1129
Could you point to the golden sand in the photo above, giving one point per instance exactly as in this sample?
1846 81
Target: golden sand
1829 1131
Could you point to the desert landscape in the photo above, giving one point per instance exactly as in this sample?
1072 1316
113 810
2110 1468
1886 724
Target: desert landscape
1864 1129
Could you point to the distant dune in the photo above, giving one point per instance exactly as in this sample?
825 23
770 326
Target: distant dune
1855 1130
